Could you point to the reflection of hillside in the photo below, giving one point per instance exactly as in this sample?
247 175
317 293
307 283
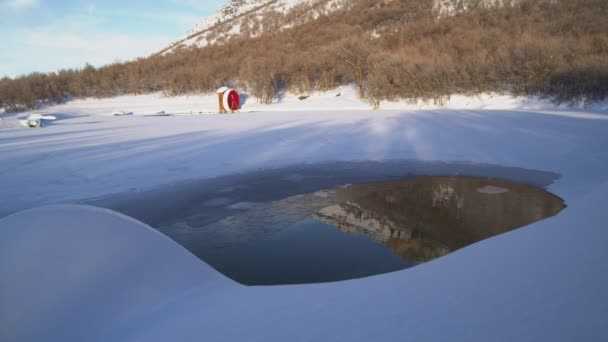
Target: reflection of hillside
349 218
426 217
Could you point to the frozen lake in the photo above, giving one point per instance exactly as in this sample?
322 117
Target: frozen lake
541 282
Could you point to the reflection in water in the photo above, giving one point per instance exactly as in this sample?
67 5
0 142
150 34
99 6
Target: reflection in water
254 230
393 225
428 217
351 218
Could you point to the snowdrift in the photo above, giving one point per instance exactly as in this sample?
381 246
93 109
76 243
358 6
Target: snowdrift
70 272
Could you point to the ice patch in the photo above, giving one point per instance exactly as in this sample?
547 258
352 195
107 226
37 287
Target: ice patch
321 193
492 190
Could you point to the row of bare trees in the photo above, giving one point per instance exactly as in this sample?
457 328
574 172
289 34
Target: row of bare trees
390 49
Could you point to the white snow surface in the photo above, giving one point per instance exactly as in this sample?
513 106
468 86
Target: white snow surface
9 122
59 257
74 273
340 99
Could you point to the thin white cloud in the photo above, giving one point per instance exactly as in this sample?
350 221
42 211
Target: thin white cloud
19 4
72 52
95 45
204 6
91 8
55 47
71 39
181 18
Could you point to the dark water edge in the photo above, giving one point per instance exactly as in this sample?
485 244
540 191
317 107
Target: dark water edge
299 224
166 202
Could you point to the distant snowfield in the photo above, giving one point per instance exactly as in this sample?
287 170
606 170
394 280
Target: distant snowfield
124 282
340 99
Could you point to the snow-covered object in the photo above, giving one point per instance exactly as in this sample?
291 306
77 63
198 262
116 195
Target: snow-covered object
32 121
231 100
41 117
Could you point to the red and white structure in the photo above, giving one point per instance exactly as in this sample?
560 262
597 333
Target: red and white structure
229 100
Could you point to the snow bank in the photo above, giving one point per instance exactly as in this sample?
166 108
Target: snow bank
493 101
72 272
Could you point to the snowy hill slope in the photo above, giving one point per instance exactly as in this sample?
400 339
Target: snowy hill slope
252 18
451 7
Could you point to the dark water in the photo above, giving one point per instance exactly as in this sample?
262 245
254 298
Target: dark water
329 222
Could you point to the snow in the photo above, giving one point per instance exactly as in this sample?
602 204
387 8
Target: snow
226 13
231 16
51 293
229 11
73 273
9 122
344 98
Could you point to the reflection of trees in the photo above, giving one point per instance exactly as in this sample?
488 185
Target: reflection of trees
427 217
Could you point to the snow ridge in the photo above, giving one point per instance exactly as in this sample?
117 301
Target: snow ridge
231 10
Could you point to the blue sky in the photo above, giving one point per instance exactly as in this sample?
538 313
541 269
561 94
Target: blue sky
47 35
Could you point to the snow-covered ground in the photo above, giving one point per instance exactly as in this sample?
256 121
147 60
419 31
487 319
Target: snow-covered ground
341 99
544 282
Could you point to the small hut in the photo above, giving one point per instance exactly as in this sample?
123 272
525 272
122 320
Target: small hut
229 100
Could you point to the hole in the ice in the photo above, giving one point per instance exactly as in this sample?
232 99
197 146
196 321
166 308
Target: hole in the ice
364 229
277 229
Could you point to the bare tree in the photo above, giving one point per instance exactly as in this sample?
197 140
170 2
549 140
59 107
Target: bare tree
355 52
